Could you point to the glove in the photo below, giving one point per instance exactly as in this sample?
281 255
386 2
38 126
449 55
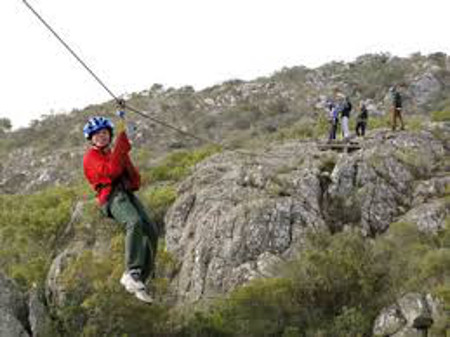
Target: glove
121 113
120 126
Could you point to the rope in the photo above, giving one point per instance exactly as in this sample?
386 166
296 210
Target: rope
70 50
121 103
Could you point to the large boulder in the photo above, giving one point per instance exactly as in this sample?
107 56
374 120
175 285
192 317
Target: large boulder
10 326
87 232
409 317
13 310
41 324
429 217
376 185
425 87
237 212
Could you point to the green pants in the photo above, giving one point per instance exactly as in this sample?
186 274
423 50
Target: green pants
141 233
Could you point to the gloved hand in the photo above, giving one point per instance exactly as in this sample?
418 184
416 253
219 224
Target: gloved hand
121 113
120 126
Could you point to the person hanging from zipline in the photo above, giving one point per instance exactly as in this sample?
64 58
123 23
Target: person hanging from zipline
114 178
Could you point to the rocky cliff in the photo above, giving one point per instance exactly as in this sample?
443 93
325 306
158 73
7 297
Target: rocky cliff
237 217
239 214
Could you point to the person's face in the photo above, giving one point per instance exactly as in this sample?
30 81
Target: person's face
101 138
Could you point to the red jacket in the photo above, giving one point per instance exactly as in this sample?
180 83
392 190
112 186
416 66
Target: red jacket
104 169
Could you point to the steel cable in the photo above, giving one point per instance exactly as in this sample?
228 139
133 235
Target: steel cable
120 102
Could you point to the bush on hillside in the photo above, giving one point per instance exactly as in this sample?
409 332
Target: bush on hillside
158 199
98 305
29 227
177 165
440 116
336 287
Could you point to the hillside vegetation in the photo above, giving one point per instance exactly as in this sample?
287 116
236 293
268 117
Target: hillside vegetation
284 240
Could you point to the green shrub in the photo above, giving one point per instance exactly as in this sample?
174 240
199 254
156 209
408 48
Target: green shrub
336 286
300 130
159 199
440 116
29 227
415 123
177 165
97 305
378 122
418 164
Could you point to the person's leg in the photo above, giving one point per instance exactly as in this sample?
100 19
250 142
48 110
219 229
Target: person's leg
358 128
335 128
124 211
363 128
330 131
345 131
400 118
393 118
151 234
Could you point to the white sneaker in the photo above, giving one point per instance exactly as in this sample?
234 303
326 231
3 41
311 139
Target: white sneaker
144 296
131 282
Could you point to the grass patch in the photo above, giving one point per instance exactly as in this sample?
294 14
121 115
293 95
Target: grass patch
177 165
158 199
29 227
440 116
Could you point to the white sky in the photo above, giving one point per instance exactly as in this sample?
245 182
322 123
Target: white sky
134 43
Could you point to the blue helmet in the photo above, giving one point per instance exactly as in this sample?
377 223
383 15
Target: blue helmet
96 124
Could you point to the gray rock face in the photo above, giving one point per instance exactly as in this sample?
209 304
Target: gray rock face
39 319
412 313
55 290
10 326
13 310
425 87
429 189
238 215
429 217
375 186
80 236
414 307
389 321
25 171
231 222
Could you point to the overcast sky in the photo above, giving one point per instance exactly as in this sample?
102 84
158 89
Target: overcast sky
134 43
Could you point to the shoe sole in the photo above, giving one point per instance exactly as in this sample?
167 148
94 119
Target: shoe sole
149 299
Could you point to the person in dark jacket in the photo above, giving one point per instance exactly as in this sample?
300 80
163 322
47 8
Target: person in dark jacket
112 175
361 121
396 107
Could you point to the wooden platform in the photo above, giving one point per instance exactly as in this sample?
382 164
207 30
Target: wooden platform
340 146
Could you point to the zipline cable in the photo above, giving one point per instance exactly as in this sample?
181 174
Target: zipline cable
109 91
70 50
121 102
